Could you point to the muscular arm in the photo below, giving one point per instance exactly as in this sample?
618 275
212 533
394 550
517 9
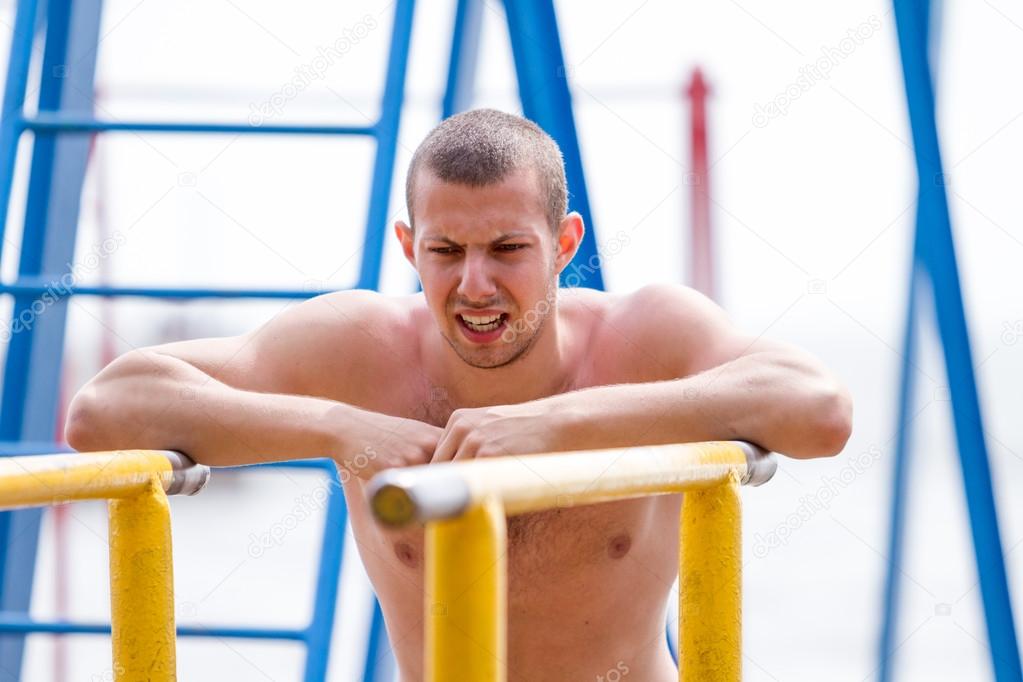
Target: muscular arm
732 387
246 399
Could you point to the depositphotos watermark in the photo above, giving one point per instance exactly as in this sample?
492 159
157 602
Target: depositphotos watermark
307 505
1012 332
316 69
614 674
577 274
108 675
59 288
814 72
810 505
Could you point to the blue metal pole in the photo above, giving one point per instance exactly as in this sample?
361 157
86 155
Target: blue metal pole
896 536
465 42
318 635
937 251
546 100
14 102
32 371
900 473
387 144
379 657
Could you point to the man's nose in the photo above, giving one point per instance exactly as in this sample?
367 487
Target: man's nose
476 283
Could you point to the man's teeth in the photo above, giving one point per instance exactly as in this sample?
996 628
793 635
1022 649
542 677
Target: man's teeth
482 324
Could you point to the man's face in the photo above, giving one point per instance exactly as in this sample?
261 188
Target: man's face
488 263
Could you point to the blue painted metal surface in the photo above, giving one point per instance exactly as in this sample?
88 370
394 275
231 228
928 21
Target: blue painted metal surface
543 88
387 145
52 122
14 101
899 479
41 285
28 403
20 623
379 658
327 579
934 258
465 43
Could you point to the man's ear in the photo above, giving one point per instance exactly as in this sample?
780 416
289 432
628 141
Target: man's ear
407 239
570 235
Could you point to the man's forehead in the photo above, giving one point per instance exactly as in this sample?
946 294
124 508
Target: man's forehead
511 205
513 186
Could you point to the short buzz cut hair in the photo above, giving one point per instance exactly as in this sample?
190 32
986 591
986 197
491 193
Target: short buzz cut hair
483 146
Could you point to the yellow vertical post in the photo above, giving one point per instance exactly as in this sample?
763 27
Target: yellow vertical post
466 594
710 587
142 587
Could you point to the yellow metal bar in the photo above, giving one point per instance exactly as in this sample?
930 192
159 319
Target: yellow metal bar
55 479
537 482
710 587
466 594
142 586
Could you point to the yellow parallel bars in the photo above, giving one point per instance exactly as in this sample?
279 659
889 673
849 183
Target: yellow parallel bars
463 505
136 483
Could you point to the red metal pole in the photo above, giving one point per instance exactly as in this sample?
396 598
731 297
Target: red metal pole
701 252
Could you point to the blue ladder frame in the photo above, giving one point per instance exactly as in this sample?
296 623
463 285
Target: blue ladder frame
934 262
62 128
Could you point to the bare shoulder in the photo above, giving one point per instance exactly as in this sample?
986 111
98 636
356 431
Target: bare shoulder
326 346
339 342
677 327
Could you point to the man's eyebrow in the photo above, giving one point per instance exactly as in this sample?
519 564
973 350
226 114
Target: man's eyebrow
500 238
510 235
435 238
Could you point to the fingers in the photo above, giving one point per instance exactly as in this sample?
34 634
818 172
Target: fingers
447 447
452 441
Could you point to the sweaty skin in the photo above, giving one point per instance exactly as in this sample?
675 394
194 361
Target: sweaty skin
378 382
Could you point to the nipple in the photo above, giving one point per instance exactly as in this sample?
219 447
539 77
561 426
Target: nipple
406 554
619 546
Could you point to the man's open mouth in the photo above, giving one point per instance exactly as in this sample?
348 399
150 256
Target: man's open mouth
485 328
483 323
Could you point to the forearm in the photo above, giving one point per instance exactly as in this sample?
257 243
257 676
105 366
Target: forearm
152 401
783 402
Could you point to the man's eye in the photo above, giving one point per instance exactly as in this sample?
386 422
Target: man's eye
443 250
510 247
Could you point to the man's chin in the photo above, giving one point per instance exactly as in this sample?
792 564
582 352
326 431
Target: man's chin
486 358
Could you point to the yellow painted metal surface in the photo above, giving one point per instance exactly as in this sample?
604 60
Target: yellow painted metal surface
566 479
55 479
465 598
142 586
710 585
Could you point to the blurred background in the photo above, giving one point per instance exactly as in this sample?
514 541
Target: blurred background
812 204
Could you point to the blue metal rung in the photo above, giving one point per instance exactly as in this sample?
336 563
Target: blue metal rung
41 285
62 123
14 622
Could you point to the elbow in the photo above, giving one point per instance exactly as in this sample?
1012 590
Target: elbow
81 427
88 426
833 427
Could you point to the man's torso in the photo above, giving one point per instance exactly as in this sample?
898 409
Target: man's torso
587 585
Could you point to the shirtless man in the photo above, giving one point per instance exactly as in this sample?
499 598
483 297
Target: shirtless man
491 359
